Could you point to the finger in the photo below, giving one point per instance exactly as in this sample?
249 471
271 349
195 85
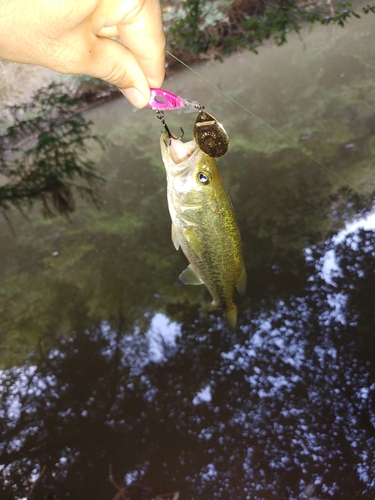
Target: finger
114 63
144 36
111 31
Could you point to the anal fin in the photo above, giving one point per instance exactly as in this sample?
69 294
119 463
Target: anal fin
190 277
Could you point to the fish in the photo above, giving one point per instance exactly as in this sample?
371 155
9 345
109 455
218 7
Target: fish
203 223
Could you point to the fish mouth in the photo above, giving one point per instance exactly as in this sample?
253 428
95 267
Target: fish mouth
175 150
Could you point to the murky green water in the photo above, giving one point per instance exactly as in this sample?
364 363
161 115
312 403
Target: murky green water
112 364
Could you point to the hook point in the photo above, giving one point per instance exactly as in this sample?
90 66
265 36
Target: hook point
160 116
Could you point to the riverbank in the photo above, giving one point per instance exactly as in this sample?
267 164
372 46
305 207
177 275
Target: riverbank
196 31
20 82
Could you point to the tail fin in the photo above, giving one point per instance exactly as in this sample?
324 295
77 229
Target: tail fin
232 317
230 312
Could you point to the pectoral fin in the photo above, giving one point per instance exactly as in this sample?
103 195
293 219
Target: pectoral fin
176 243
190 277
241 285
192 240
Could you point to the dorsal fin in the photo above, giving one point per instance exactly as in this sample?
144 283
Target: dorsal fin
241 284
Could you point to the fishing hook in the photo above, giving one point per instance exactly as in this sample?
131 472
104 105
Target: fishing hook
161 117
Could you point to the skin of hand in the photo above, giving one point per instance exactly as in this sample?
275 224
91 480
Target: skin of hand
73 36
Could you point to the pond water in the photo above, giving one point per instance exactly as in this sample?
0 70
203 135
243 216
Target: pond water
116 375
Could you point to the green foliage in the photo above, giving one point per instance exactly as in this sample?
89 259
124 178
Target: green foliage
44 147
186 30
247 24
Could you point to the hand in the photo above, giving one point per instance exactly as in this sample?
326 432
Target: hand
72 36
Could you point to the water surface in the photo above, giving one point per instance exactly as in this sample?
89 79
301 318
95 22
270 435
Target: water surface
111 366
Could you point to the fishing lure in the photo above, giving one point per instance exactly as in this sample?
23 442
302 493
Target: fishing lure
209 134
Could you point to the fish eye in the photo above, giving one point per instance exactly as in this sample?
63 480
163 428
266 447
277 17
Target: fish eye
204 178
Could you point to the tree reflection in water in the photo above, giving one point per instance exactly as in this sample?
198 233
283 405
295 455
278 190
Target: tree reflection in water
44 156
284 402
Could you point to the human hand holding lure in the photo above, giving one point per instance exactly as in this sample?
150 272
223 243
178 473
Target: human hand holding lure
209 134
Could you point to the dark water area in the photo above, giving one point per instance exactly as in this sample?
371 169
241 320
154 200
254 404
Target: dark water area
117 379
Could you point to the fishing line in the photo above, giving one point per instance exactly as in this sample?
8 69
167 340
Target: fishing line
247 110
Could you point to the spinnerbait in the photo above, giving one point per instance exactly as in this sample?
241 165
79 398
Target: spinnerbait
209 134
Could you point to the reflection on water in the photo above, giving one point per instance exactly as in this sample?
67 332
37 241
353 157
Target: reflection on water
126 370
43 146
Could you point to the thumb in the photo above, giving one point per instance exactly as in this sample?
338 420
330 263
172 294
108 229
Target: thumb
114 63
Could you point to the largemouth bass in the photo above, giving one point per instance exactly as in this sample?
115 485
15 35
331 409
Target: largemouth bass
203 223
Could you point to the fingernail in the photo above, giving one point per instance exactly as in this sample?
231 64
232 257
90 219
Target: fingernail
134 97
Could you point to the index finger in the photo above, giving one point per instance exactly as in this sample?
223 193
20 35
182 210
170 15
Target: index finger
143 35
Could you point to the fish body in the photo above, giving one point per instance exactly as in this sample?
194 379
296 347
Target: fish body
203 223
